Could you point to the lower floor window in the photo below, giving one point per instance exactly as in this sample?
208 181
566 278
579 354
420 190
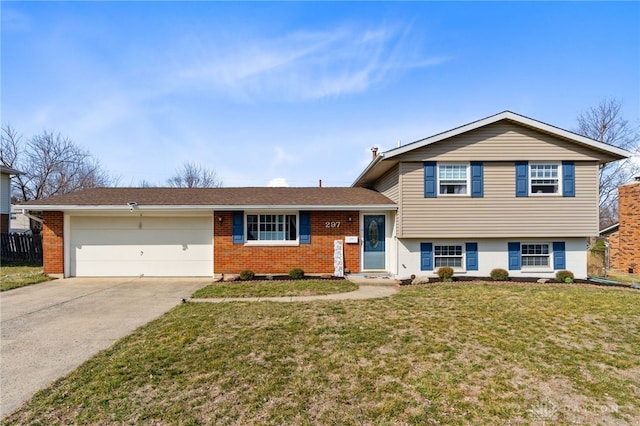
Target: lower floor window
535 255
271 227
448 255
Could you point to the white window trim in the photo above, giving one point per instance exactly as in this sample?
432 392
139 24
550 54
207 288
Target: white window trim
537 268
463 266
271 243
544 163
468 181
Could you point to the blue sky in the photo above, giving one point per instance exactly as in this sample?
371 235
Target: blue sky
290 93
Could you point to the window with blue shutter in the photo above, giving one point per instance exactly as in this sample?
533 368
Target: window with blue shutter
472 256
426 256
477 180
568 179
514 256
238 227
522 179
559 256
305 228
430 179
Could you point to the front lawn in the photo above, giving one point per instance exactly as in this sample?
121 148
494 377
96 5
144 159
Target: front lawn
15 275
434 354
308 287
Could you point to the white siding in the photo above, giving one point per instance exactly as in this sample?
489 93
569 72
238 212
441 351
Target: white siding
493 253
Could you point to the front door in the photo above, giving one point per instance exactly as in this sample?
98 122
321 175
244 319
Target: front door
374 242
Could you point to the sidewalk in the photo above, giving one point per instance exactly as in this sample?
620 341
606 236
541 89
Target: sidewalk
369 288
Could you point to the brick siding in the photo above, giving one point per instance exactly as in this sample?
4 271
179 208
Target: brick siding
313 258
624 248
53 242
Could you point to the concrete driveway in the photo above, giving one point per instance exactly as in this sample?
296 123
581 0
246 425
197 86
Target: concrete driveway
49 329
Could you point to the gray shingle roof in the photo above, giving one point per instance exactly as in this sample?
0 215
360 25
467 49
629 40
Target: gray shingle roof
247 196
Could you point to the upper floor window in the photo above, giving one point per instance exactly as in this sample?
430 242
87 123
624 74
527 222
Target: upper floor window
272 227
544 178
453 179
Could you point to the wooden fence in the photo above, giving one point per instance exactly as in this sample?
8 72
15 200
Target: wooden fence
21 248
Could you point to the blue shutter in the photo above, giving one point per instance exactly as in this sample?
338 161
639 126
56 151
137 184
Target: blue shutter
477 180
305 228
426 256
514 256
559 257
238 227
472 256
522 179
429 179
568 179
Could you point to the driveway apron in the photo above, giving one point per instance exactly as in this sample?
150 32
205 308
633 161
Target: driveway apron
49 329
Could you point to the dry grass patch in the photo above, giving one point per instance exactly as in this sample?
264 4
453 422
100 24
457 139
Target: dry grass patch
438 354
308 287
15 276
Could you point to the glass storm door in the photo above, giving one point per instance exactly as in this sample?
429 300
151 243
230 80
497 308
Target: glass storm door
374 241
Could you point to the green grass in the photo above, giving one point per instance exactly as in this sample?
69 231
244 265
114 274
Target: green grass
437 354
309 287
15 276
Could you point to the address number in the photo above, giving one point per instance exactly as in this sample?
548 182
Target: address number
332 224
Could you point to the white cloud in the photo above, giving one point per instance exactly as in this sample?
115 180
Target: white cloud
278 182
301 65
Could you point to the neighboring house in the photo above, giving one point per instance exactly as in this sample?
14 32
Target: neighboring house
624 237
5 197
502 192
20 223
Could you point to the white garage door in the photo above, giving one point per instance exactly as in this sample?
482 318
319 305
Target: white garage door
141 246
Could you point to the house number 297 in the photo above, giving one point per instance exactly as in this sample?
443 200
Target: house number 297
332 224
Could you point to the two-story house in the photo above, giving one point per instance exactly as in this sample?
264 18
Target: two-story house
5 197
505 192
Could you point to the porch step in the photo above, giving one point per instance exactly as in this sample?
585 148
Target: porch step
382 280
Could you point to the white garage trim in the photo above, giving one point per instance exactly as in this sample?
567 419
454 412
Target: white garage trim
139 245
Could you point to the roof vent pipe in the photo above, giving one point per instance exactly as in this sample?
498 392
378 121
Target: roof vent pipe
374 152
319 183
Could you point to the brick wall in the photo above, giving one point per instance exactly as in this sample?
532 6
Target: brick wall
624 250
53 242
316 257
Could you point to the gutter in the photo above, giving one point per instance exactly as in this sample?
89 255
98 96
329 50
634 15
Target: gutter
266 207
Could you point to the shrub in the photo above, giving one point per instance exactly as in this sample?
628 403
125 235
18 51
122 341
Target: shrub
445 273
296 273
499 274
247 275
564 276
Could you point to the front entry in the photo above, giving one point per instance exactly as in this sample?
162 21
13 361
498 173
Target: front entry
374 243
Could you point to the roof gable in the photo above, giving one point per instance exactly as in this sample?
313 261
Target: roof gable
570 141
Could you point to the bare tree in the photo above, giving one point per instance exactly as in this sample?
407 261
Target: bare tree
605 123
51 164
193 175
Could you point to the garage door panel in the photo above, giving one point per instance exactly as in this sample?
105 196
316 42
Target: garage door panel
134 246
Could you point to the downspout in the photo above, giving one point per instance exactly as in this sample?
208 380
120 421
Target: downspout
27 214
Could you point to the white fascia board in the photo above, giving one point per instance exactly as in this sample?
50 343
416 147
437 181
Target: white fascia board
508 115
371 165
183 208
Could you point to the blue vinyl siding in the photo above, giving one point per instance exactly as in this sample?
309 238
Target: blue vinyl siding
514 256
559 256
568 179
238 227
430 179
472 256
305 228
426 256
477 180
522 179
